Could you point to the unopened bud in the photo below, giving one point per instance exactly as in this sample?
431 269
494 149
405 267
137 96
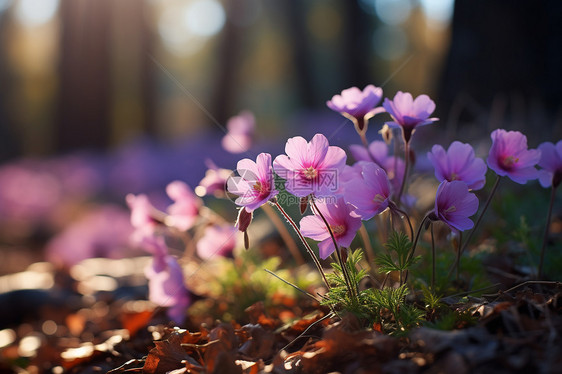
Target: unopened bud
304 204
244 219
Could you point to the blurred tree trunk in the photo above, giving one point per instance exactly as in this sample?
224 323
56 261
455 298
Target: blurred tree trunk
10 145
357 35
300 41
85 87
106 76
504 48
228 58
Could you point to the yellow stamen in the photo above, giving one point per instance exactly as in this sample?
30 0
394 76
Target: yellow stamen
338 229
378 198
450 209
258 187
310 173
509 161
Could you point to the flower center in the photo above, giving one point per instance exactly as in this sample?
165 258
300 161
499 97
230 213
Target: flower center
378 198
338 229
454 177
508 161
450 209
310 173
261 188
258 187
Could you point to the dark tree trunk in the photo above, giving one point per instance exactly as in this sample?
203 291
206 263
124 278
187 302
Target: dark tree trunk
506 48
85 87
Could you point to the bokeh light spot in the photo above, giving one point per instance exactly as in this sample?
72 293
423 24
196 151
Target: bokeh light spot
35 12
204 17
393 12
438 12
390 42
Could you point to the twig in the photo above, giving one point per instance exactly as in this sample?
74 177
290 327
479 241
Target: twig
329 315
292 285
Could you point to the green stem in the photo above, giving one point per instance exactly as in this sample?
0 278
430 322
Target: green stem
406 170
337 249
476 224
432 259
459 255
285 235
414 245
407 218
546 230
304 242
367 243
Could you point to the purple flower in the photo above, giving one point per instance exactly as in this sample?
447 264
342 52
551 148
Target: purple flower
240 133
255 185
551 164
454 204
166 286
343 223
185 209
408 113
509 156
378 153
310 167
370 193
458 163
357 105
217 240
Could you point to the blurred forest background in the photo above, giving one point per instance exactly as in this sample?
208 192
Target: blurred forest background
90 74
99 98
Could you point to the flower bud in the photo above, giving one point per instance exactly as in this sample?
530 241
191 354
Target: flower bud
244 219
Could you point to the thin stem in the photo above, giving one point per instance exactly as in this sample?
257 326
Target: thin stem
408 219
459 255
546 230
364 140
304 242
337 250
285 235
406 170
476 224
414 245
422 223
432 259
367 243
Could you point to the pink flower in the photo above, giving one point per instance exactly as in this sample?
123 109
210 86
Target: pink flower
255 185
142 216
183 213
458 163
357 105
408 113
454 204
310 167
166 286
343 222
551 164
101 232
378 153
509 156
370 193
214 182
240 133
217 240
